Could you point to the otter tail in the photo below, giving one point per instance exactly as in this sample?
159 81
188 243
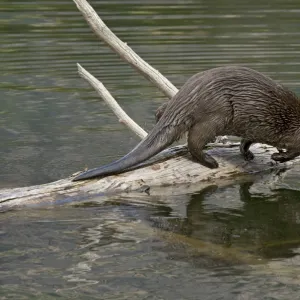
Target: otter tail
159 139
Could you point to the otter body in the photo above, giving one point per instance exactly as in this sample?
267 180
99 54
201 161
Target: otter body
229 100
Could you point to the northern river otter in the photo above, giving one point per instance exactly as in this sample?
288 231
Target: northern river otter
230 100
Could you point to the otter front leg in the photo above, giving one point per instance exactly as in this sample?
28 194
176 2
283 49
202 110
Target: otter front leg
160 111
198 136
244 148
284 156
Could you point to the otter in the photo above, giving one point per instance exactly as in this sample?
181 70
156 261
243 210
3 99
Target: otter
230 100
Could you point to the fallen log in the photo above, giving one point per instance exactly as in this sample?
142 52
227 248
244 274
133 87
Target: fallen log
172 167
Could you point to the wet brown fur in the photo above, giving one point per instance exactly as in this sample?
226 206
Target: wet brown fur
242 102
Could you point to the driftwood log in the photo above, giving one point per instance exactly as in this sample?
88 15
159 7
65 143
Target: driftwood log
172 167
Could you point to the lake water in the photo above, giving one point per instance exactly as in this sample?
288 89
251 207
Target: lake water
233 242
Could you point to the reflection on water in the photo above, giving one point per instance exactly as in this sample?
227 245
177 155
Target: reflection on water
237 242
269 225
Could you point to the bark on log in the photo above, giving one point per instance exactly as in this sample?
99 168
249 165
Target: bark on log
172 167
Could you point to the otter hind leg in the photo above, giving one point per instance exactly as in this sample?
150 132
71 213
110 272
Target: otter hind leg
159 112
244 148
198 136
284 156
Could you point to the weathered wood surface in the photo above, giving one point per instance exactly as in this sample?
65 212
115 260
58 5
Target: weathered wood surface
178 170
174 167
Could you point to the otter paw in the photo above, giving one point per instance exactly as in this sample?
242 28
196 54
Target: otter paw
210 162
214 165
248 155
279 156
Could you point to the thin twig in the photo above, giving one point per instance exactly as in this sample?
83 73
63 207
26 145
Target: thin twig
111 102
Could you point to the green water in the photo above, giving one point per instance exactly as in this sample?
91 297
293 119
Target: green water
235 242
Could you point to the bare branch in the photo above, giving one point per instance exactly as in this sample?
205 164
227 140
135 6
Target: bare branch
123 50
111 102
